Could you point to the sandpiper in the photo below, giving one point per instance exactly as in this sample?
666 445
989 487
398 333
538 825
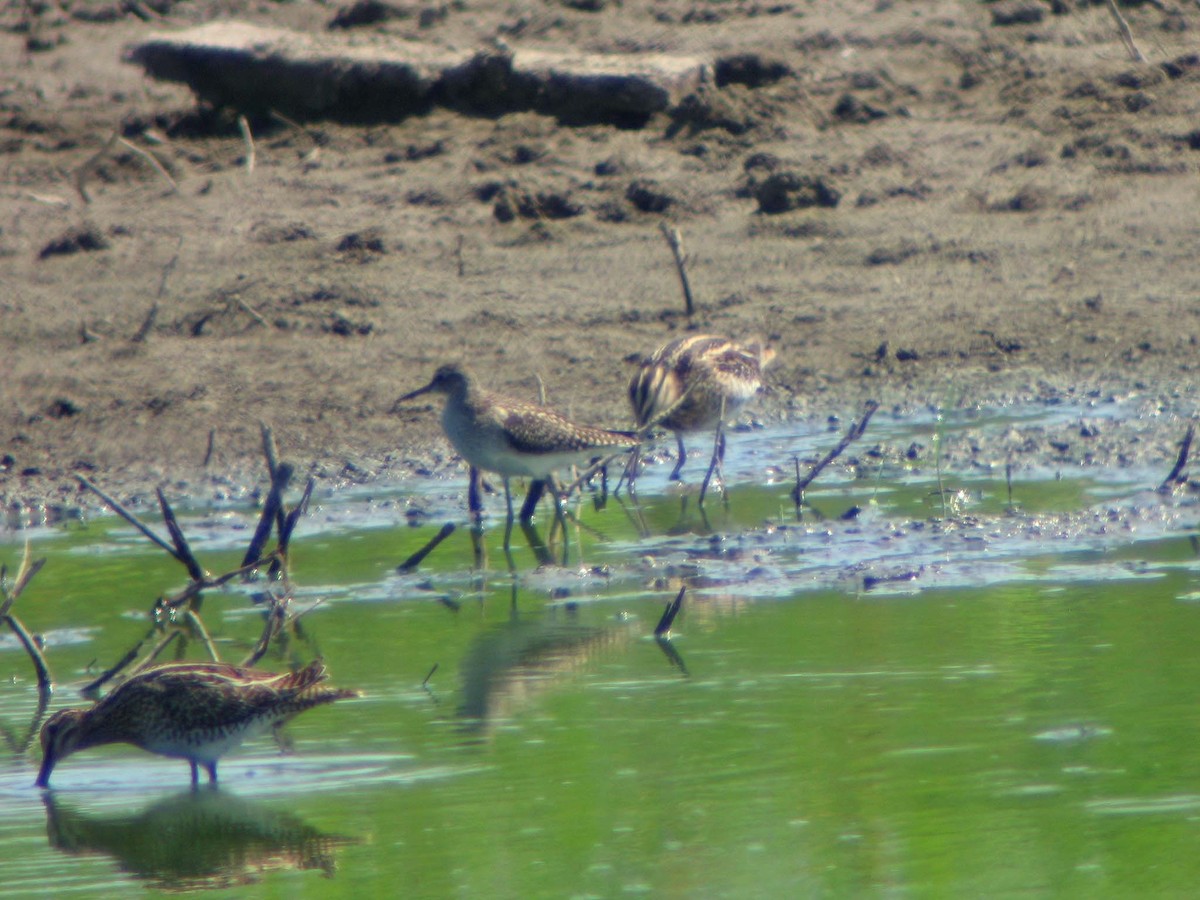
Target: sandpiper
192 711
694 383
513 438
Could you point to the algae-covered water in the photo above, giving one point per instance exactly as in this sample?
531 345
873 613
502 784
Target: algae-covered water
926 684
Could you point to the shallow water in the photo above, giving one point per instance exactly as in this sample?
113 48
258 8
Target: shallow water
990 697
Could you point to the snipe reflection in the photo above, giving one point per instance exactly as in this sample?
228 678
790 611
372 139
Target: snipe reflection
197 840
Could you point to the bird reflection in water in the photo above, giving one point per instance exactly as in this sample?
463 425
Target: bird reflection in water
509 665
196 840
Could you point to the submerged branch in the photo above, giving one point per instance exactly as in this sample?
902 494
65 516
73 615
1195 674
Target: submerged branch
853 433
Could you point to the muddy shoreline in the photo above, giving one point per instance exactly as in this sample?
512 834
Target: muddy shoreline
1014 222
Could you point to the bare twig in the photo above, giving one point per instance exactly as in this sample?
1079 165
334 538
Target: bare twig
208 451
92 688
248 140
675 242
144 331
45 682
182 551
1126 35
166 273
1177 476
150 158
270 451
125 514
853 433
663 628
415 560
280 476
197 626
254 314
84 172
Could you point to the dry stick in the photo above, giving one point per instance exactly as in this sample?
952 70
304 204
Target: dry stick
198 626
92 687
280 476
275 618
1176 478
208 451
270 451
1126 35
458 255
415 560
127 515
853 433
166 273
183 551
289 522
255 314
82 173
675 242
144 331
45 683
668 617
248 139
162 645
154 163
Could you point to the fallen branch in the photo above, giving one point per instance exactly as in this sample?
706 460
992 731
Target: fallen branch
125 514
415 560
663 629
853 433
1177 476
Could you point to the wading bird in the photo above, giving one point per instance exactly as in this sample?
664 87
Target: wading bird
193 711
695 383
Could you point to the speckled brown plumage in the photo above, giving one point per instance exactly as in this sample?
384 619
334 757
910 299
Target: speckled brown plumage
695 383
194 711
512 438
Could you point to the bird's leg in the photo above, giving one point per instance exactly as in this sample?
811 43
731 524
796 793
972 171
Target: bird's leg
508 523
536 490
718 457
475 494
212 771
195 772
560 517
675 476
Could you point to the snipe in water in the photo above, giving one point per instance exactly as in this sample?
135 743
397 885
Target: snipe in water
193 711
695 383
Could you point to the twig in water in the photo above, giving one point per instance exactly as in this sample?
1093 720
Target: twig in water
183 551
675 242
127 516
8 596
415 560
668 617
248 140
280 476
853 433
1177 476
425 682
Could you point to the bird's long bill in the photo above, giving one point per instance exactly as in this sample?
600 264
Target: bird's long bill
417 393
48 762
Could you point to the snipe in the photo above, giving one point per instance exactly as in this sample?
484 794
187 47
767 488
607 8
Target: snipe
193 711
